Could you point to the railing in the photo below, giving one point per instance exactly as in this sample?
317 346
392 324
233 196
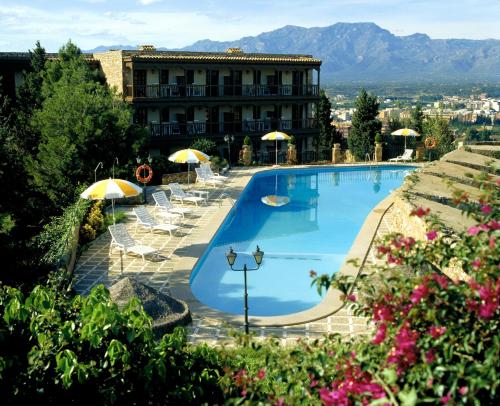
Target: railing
315 156
161 91
168 129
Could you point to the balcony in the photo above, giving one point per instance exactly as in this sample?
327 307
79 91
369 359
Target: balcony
195 128
199 91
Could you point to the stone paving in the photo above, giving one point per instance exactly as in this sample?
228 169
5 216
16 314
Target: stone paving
98 266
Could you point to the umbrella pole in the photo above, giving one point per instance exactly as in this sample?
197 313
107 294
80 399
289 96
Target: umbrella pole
113 209
276 152
188 174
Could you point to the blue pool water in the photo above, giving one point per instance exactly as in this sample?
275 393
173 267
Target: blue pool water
314 231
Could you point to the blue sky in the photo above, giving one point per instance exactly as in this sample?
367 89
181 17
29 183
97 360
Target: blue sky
176 23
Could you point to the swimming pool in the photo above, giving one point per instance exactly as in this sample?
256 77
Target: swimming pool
313 231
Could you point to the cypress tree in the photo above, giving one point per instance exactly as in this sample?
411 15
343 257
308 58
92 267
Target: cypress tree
364 125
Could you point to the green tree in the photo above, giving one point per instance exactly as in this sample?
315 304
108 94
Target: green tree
417 119
364 125
328 134
82 123
439 128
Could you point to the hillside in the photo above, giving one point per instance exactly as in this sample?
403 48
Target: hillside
367 52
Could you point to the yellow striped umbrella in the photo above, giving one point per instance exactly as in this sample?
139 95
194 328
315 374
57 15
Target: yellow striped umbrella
189 156
111 189
406 132
275 136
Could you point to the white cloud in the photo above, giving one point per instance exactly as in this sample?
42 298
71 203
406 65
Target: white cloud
148 2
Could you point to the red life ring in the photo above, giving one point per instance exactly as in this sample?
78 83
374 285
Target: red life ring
430 143
140 170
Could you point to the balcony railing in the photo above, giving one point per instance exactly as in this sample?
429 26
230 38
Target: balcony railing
174 91
190 128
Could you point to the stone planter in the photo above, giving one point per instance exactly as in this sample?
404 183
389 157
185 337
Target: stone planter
378 152
420 152
247 155
291 156
336 154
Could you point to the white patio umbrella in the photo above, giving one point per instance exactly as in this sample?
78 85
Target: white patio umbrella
111 189
406 132
275 136
189 156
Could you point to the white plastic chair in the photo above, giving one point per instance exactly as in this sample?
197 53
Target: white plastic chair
179 194
166 207
206 169
145 219
203 178
121 239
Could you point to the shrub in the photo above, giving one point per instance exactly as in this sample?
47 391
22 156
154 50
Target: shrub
291 141
205 145
378 138
57 349
247 140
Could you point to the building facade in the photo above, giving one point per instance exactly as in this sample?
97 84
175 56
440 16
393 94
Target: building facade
181 96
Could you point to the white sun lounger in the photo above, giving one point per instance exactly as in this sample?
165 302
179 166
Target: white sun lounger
405 157
206 169
121 239
203 178
165 206
145 219
179 194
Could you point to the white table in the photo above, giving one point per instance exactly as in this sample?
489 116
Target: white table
200 193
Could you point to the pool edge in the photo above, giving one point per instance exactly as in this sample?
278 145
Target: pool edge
180 280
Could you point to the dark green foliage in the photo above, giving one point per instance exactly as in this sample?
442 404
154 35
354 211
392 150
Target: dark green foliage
247 140
364 125
82 123
204 145
417 119
328 134
439 128
56 349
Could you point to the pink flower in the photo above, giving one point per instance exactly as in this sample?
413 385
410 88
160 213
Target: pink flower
261 374
243 393
436 331
486 209
445 399
463 390
430 357
431 235
419 293
494 225
380 334
441 280
476 263
313 383
492 242
420 212
382 312
404 352
351 298
473 230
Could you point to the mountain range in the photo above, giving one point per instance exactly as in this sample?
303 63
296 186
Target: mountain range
366 52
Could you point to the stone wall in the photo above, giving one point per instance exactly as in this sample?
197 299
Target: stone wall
404 223
112 67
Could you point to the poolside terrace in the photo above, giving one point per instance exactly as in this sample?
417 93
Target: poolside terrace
179 254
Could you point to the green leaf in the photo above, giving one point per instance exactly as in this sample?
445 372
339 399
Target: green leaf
408 398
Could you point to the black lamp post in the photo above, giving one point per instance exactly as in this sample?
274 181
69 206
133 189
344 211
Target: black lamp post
231 258
99 165
229 139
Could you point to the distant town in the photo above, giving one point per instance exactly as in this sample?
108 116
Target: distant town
475 110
